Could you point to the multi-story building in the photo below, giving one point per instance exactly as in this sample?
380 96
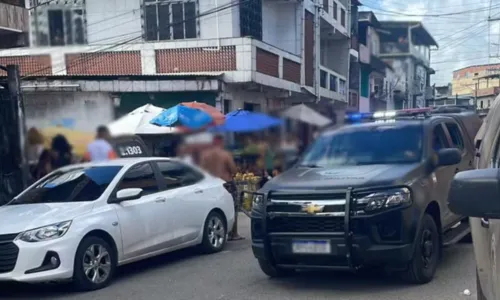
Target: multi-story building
14 24
405 46
93 60
479 82
377 77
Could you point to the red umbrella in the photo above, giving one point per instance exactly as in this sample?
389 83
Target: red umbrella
216 115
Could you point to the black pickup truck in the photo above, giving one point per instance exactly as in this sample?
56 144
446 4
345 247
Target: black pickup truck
372 194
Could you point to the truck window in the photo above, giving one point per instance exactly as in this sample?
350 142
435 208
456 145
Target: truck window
439 140
456 135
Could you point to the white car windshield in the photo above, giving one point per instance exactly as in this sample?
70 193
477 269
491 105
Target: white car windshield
384 144
74 185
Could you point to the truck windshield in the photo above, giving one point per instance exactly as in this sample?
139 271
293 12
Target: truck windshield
74 185
384 144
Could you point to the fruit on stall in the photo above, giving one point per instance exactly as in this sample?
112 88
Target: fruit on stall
247 182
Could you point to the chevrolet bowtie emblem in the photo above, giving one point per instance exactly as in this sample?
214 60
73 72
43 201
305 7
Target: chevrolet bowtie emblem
312 208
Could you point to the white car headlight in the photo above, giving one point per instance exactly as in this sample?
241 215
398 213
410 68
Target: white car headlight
386 199
45 233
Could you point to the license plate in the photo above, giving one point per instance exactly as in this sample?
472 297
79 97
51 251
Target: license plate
311 247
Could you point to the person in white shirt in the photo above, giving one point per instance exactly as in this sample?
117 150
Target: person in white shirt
100 149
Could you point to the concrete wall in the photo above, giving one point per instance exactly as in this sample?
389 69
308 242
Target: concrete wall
113 20
238 96
282 25
335 56
82 111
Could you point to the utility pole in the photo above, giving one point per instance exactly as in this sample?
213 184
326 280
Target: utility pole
317 50
18 126
35 13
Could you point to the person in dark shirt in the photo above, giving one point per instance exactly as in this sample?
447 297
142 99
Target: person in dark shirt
61 151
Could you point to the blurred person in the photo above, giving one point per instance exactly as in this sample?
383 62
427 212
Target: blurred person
62 152
35 145
220 163
44 164
100 149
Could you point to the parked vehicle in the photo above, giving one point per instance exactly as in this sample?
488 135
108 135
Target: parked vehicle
476 194
370 194
80 222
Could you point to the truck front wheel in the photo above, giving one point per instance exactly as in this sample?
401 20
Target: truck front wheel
423 264
273 271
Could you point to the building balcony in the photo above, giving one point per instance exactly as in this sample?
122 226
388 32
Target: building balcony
334 20
236 60
332 85
14 26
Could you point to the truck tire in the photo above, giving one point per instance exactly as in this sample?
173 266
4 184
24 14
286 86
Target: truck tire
273 271
423 264
480 294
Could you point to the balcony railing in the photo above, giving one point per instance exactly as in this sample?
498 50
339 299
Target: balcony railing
13 18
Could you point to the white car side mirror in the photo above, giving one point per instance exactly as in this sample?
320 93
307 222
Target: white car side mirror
128 194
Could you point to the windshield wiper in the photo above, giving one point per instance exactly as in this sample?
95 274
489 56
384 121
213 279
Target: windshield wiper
312 166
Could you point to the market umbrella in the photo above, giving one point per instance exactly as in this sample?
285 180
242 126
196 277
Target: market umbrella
246 121
137 122
180 115
305 114
217 116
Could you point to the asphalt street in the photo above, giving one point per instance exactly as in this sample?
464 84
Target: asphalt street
234 275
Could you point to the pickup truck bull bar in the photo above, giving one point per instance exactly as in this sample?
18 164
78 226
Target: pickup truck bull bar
349 212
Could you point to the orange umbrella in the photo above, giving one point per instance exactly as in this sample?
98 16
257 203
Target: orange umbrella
216 115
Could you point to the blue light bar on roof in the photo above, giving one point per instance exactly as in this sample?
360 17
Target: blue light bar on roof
385 115
358 117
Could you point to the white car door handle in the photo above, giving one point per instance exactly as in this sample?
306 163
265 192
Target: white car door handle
198 191
160 200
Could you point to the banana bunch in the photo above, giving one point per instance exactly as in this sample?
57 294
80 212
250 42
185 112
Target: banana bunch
248 177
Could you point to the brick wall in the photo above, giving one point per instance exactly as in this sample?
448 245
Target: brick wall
291 71
309 48
267 63
29 65
110 63
195 60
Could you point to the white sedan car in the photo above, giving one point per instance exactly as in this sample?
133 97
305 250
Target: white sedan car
80 222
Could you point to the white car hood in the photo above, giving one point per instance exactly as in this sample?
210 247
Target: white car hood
19 218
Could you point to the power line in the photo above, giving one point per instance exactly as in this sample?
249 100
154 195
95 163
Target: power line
432 15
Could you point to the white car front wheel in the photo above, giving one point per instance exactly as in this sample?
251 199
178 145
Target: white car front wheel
95 264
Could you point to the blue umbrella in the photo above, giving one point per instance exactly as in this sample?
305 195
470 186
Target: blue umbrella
180 115
246 121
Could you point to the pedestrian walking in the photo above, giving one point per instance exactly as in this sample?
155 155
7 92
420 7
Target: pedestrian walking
62 152
100 149
220 163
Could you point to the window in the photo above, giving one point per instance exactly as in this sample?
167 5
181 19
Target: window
342 17
178 175
140 176
227 106
65 27
456 135
439 140
322 78
170 20
342 86
335 9
74 185
325 6
389 144
333 83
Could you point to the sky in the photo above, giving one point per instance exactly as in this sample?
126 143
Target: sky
462 34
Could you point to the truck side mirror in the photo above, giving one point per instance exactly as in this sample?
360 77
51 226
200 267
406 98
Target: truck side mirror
476 193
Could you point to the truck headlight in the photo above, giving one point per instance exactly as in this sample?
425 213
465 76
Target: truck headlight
45 233
386 199
258 199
